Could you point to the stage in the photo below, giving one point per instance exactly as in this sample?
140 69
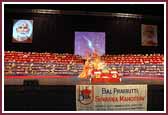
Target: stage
58 93
61 98
74 80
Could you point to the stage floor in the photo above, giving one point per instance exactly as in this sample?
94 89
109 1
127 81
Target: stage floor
74 80
58 93
61 98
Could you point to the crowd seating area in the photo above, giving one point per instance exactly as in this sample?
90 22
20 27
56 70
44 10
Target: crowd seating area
33 63
12 56
134 59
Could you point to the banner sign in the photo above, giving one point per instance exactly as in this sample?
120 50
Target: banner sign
149 35
111 97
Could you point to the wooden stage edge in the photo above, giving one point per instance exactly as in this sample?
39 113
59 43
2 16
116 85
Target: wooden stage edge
50 80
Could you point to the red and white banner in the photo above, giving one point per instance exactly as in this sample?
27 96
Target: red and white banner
111 97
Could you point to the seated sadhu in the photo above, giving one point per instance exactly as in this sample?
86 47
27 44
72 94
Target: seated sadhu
90 64
85 71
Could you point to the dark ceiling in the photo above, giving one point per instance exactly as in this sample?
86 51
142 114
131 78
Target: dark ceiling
145 9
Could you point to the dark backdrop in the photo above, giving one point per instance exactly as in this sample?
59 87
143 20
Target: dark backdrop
55 32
